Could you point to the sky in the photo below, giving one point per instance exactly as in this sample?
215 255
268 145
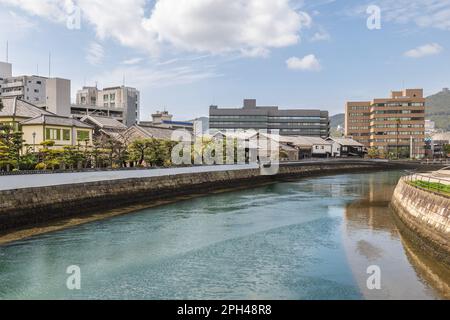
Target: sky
184 55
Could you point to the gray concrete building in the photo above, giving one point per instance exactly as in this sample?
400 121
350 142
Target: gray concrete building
51 94
294 122
121 103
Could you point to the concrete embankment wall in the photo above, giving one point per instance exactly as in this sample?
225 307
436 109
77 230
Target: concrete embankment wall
33 206
424 218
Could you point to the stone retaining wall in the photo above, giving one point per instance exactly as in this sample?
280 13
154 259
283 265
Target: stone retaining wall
424 218
32 206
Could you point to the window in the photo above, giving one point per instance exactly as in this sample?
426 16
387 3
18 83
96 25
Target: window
82 135
52 134
112 96
66 135
105 97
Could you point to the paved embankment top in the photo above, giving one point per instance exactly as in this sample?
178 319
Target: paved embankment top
45 180
12 182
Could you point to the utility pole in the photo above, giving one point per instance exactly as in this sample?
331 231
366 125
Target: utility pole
411 152
398 134
7 51
49 64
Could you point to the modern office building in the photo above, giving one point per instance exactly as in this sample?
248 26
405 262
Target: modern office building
394 125
296 122
121 103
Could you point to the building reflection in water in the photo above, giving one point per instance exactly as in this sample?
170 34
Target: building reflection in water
371 237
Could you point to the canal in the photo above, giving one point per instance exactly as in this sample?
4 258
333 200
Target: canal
307 239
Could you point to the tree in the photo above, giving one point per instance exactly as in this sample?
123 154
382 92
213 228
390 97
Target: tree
138 150
11 145
373 153
447 149
71 156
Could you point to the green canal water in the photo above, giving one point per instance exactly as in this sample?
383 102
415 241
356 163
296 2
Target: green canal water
307 239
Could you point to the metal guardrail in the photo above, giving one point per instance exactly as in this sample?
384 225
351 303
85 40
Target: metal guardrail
441 183
436 161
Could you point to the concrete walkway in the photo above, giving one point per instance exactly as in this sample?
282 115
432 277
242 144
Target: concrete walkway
44 180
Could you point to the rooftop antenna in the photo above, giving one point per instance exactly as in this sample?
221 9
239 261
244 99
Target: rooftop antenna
123 81
37 69
7 51
49 64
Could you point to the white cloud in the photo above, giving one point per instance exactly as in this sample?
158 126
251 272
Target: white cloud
425 50
307 63
213 26
150 77
10 20
95 53
422 13
321 35
132 61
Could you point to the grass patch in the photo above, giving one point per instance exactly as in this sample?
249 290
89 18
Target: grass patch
432 186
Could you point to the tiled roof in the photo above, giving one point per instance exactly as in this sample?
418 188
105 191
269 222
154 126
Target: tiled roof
13 107
146 132
445 136
56 121
347 142
104 122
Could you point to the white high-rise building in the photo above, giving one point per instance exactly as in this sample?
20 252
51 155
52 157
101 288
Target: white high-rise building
51 94
121 103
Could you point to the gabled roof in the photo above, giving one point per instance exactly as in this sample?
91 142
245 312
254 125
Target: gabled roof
346 142
56 121
444 136
147 132
13 107
104 122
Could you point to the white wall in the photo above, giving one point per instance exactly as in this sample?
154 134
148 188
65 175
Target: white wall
58 96
322 149
5 70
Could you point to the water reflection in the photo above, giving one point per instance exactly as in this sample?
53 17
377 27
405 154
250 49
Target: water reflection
371 237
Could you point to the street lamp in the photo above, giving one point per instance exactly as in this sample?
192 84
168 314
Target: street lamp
34 142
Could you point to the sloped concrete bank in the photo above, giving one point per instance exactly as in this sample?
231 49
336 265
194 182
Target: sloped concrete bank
22 208
424 218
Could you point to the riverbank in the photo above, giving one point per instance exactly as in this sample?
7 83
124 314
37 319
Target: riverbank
69 200
424 217
285 240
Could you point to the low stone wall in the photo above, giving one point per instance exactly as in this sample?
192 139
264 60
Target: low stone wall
33 206
424 218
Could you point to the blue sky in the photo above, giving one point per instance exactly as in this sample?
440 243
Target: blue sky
184 55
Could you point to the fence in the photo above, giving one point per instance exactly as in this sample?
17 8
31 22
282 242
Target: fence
436 161
429 182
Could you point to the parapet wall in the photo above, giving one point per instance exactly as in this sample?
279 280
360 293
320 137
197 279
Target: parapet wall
33 206
425 219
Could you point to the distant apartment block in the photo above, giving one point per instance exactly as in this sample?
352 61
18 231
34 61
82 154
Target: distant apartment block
391 124
51 94
295 122
121 103
165 120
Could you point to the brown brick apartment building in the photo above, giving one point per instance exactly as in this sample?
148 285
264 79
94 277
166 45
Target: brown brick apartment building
395 124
